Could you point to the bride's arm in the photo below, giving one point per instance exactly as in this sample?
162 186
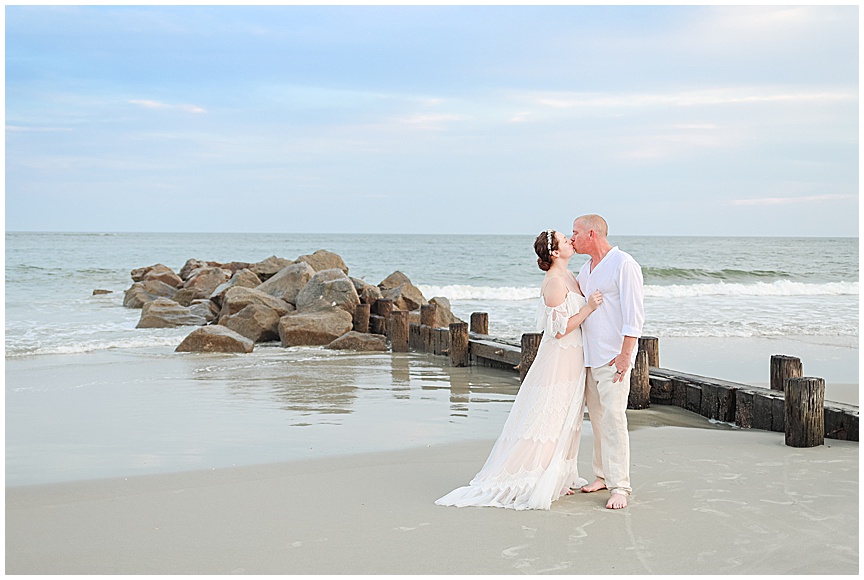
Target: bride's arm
574 321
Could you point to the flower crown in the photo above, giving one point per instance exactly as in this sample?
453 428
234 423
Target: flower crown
549 241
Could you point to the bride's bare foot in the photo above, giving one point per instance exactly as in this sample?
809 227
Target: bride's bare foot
596 486
617 501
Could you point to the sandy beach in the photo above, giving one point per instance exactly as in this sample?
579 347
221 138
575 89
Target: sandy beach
708 499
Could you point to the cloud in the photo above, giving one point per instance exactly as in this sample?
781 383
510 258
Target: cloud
430 121
718 96
147 104
788 200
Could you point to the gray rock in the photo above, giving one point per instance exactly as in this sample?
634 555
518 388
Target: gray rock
328 289
204 308
255 322
405 296
163 273
394 280
140 293
238 298
244 278
368 293
323 260
202 283
266 268
287 282
444 315
215 339
190 267
314 328
362 341
165 313
398 288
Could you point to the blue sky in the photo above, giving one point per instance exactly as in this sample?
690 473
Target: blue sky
675 120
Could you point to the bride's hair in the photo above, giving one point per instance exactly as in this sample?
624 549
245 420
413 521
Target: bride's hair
544 245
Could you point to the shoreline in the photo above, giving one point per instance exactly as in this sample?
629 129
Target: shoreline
696 509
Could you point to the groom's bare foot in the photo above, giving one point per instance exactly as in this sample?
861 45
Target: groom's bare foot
617 501
596 486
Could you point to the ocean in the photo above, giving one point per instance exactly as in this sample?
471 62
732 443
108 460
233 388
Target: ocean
89 395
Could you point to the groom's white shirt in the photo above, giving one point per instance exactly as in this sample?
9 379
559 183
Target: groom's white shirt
621 314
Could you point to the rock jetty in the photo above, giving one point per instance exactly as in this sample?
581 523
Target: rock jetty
310 301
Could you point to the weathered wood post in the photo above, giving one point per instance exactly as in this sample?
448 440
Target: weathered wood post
428 321
651 345
414 342
480 322
361 317
530 344
429 315
398 331
805 411
640 387
784 367
458 344
378 322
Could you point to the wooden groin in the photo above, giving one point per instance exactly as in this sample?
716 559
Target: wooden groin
742 405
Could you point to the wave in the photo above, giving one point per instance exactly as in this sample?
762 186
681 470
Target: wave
92 346
464 292
691 274
776 288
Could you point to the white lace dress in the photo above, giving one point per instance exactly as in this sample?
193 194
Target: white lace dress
533 462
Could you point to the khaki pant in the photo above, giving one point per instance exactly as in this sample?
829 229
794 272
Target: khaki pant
607 403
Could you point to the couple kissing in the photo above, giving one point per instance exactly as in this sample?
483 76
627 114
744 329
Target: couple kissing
591 323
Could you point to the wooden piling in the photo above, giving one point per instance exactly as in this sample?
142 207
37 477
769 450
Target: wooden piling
361 317
384 307
480 322
805 411
784 367
414 342
429 315
651 346
458 344
530 344
398 330
640 387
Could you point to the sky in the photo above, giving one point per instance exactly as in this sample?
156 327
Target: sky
666 120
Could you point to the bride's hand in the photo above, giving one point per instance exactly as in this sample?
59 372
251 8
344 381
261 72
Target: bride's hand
595 300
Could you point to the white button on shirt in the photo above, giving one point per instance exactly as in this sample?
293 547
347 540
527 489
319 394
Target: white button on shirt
619 279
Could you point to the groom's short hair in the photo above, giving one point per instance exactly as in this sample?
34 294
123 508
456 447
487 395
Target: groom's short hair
595 222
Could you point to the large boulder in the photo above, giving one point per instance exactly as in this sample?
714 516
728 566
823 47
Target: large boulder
238 298
255 322
140 293
394 280
202 283
323 260
368 293
215 339
165 313
162 273
444 315
318 327
268 267
190 267
328 289
244 278
405 295
287 282
353 340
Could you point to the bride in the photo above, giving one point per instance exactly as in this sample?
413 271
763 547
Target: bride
533 462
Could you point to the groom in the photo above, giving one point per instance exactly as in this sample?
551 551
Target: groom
610 338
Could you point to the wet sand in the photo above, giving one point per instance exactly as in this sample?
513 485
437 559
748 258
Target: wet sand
710 500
